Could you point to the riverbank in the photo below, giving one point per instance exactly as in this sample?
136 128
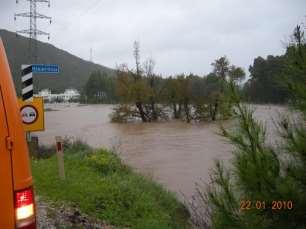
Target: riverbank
101 186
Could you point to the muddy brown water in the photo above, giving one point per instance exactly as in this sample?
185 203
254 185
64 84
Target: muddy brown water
175 153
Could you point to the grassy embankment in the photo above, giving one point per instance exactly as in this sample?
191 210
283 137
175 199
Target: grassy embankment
101 186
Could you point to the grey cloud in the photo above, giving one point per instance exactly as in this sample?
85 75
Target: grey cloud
181 35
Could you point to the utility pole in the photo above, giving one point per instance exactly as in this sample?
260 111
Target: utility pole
33 32
90 57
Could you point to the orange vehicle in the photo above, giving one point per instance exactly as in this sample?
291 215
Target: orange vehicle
17 207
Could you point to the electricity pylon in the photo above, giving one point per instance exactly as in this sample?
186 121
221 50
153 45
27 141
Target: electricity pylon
33 32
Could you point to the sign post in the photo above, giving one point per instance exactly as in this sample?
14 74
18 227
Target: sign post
27 82
60 157
28 112
27 77
32 114
45 68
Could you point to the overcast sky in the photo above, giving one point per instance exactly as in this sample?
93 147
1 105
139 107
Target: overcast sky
182 36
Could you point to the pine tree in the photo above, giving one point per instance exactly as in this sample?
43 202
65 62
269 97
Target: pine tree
261 177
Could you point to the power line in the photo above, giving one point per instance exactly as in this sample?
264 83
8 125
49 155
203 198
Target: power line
33 32
93 6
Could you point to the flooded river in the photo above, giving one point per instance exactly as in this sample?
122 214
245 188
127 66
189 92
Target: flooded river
175 153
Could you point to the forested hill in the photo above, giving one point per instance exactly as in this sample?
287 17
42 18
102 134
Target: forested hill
74 71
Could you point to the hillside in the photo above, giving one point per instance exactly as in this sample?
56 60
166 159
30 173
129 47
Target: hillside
74 71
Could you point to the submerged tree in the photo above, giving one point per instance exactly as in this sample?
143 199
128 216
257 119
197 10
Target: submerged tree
171 97
221 67
220 105
139 91
236 74
148 96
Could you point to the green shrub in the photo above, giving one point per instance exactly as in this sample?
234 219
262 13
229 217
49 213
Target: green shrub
42 152
104 161
71 145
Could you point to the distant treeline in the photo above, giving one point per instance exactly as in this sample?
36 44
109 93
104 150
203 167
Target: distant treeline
266 83
100 88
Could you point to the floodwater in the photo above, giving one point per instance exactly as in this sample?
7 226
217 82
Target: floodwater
175 153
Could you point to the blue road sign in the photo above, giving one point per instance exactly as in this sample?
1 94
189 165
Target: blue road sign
45 68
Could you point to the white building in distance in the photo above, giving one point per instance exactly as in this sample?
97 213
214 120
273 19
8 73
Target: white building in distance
67 96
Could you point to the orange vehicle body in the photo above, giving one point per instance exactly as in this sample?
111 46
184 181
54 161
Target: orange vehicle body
15 170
